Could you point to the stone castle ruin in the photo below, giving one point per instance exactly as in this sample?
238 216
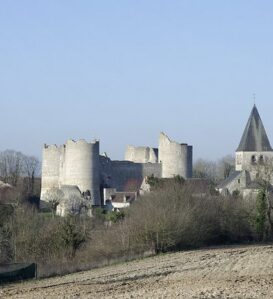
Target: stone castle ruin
78 166
80 177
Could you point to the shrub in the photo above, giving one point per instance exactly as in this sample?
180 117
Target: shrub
174 216
260 219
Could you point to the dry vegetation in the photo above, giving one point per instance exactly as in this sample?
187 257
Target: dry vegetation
174 216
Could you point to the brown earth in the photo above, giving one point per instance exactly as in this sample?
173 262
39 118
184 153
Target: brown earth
231 272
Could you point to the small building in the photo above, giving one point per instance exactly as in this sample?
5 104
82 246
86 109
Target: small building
114 200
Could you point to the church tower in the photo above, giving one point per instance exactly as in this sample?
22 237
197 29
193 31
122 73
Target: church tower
254 148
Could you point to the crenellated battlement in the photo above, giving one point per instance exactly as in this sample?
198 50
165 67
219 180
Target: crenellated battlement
78 163
141 154
73 163
81 142
51 146
176 158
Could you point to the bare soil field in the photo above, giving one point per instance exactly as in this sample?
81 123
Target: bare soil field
230 272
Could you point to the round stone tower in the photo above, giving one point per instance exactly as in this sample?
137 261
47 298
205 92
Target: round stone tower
176 158
82 167
50 168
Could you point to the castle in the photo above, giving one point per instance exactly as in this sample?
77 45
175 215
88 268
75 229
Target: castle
252 155
78 167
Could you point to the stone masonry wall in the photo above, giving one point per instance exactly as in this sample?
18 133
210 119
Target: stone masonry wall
78 163
126 175
251 161
141 154
176 158
50 168
81 167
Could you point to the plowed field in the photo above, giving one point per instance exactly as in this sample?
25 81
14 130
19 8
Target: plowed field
231 272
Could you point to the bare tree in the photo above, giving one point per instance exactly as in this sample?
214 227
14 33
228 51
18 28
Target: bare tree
31 168
11 166
205 169
54 197
73 204
214 171
264 176
225 166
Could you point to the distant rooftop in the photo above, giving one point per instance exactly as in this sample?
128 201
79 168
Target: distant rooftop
254 138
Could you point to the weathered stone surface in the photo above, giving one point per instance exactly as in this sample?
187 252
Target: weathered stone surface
176 158
141 154
78 163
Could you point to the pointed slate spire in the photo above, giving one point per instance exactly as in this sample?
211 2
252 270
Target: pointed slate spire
254 138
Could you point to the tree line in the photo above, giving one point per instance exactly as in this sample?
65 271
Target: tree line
215 171
20 171
174 216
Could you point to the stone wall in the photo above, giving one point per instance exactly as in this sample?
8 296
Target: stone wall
141 154
78 163
252 161
190 161
238 183
50 168
126 175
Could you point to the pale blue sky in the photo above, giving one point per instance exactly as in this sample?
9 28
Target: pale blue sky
122 71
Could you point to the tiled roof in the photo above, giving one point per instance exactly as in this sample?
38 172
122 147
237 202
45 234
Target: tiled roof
228 180
119 196
254 137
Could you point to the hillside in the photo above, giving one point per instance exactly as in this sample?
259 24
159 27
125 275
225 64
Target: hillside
231 272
